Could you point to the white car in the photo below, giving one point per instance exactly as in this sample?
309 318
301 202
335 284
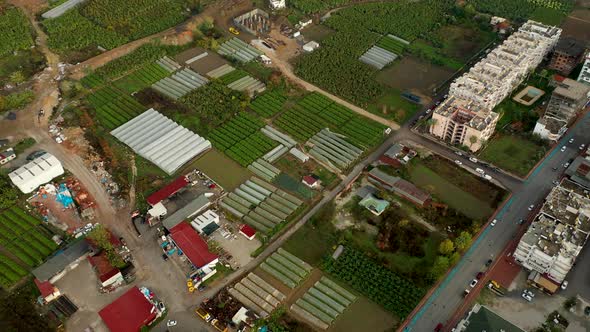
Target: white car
171 323
527 297
473 283
493 223
458 153
563 148
428 111
458 162
564 285
531 207
582 147
571 140
473 160
566 165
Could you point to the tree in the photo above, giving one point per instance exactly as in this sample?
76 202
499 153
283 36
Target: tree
441 265
455 258
463 241
472 140
102 238
446 247
17 77
8 194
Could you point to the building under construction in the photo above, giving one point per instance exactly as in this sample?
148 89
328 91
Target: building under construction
256 22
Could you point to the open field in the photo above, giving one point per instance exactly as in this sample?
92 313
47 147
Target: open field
449 193
414 74
221 169
393 106
577 25
513 153
317 32
374 318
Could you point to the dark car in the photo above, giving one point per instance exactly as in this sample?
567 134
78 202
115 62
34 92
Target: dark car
438 327
35 154
480 275
165 257
489 262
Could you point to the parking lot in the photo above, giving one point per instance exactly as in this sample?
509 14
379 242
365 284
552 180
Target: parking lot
237 245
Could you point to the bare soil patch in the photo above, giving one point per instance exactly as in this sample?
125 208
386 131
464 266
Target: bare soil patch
413 74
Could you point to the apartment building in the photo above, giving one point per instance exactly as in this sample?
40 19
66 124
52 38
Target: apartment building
557 235
584 76
567 55
466 118
463 122
568 98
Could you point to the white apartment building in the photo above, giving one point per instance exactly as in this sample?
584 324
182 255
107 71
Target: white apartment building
466 118
585 73
494 77
462 122
557 235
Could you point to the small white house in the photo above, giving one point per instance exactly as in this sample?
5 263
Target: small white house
278 4
311 46
37 172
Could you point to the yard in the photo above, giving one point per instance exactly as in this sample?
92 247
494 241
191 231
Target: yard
393 106
513 153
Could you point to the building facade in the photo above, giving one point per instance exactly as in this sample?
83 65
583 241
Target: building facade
557 235
567 55
568 98
584 76
466 117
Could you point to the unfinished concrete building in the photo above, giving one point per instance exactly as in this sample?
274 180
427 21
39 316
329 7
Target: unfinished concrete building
568 98
488 82
463 122
568 53
557 235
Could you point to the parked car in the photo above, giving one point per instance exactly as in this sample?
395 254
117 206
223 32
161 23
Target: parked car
473 160
428 111
493 223
582 146
458 153
473 283
571 140
466 292
521 221
165 257
564 284
529 293
458 162
527 297
566 165
563 148
479 275
171 323
35 154
234 31
479 170
489 262
531 207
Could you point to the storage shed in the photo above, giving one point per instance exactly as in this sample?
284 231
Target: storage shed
37 172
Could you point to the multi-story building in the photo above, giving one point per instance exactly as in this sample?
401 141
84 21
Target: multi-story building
568 98
461 122
557 235
584 76
278 4
567 55
467 117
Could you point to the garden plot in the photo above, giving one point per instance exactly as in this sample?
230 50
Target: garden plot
257 294
323 303
179 84
239 50
221 71
168 64
333 150
286 267
113 108
268 104
378 57
161 140
393 44
260 204
241 139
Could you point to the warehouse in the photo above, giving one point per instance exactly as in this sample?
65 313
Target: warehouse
161 140
129 313
37 172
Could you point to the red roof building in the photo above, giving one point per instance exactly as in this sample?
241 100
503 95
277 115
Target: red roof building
192 245
107 273
310 181
129 312
169 190
248 232
48 291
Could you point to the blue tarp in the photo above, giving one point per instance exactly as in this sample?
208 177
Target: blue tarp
64 196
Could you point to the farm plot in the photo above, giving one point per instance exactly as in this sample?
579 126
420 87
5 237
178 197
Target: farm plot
519 10
113 108
393 44
232 76
16 31
180 84
241 139
248 84
261 204
323 303
316 112
333 150
10 272
141 78
394 293
286 267
257 294
378 57
268 104
21 235
239 50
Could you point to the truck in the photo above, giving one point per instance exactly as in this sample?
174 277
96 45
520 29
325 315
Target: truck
204 315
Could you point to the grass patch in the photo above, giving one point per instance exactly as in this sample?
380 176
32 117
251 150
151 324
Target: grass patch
423 50
393 106
226 172
513 153
449 193
24 144
548 16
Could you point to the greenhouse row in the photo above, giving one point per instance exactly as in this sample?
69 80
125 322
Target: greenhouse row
287 268
221 71
179 84
255 289
264 169
239 50
248 84
378 57
333 150
168 64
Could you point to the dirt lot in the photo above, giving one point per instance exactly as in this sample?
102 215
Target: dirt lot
577 25
226 172
203 65
236 244
413 74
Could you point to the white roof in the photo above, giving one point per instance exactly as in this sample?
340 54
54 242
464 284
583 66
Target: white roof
161 140
37 172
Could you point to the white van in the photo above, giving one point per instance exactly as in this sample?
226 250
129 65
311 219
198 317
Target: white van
479 170
487 177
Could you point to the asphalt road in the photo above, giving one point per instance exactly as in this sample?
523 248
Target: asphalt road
443 303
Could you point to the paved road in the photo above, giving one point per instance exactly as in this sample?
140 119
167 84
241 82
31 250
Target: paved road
448 297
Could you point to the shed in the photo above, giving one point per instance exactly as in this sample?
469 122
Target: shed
311 46
197 205
37 172
248 232
48 291
193 246
53 268
107 274
168 190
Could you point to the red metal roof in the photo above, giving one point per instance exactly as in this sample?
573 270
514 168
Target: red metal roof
192 245
169 190
129 312
45 287
248 231
310 180
558 78
104 269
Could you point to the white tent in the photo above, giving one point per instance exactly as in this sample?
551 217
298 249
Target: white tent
39 171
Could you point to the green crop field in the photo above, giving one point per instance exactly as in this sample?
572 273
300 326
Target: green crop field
22 236
519 10
113 108
268 104
16 31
